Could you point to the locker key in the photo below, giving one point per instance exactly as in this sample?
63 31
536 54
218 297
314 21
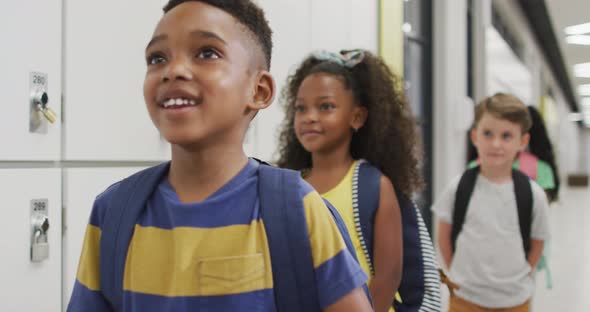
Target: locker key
49 114
40 98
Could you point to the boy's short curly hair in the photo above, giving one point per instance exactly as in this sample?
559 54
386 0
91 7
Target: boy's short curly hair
504 106
248 14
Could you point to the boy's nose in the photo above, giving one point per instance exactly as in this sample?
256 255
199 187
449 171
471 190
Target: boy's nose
177 70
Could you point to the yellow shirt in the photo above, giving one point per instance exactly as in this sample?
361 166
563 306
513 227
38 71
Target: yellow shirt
341 198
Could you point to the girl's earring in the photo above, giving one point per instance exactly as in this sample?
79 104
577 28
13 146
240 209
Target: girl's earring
355 130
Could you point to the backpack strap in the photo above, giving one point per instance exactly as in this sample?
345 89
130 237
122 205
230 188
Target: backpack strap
524 203
125 207
462 198
420 284
527 163
283 214
366 190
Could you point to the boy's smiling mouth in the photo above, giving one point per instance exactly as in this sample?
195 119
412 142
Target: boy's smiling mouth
178 102
175 99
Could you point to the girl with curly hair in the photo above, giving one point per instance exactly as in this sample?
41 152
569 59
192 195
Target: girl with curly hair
344 109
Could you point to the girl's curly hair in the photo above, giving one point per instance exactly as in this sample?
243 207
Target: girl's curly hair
388 139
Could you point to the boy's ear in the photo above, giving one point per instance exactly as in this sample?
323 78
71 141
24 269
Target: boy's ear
472 135
360 116
264 91
524 141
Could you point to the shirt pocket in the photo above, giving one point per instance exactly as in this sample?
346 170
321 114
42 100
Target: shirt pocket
231 275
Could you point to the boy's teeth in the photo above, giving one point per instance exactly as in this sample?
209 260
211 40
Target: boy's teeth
178 102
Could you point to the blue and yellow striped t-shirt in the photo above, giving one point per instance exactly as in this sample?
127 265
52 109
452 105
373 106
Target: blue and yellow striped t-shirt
212 255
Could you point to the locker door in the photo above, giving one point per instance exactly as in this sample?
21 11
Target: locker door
31 36
81 186
106 118
26 285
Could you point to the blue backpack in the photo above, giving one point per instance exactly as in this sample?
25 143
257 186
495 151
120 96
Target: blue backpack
420 284
294 281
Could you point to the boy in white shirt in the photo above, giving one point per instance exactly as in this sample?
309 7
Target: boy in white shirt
484 250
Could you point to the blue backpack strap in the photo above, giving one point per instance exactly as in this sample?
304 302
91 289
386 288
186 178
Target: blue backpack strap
412 285
420 284
462 198
369 191
347 240
283 215
125 206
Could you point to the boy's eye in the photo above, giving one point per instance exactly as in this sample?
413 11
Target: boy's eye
155 58
487 133
506 136
326 106
208 53
299 108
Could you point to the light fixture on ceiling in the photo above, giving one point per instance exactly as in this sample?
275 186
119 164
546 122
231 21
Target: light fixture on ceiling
584 90
582 70
578 39
579 29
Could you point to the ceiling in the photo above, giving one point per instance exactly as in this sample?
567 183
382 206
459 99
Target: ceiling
564 13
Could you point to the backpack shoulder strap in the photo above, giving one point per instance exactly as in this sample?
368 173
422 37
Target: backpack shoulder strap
368 190
462 198
527 163
283 214
524 203
420 284
290 251
125 206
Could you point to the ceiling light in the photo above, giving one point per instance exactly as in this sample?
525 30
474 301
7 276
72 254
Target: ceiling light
582 70
578 39
579 29
584 90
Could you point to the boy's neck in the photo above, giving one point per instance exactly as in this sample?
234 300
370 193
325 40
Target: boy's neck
496 174
195 175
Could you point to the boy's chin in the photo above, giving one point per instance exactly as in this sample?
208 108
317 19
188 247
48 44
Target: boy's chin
183 140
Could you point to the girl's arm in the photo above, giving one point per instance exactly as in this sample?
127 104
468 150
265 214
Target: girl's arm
444 242
387 248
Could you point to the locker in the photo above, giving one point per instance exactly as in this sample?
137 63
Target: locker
27 285
32 41
106 118
81 186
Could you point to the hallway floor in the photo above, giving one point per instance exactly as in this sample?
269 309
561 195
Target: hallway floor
569 256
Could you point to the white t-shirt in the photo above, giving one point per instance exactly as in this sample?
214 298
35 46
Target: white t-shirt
489 262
